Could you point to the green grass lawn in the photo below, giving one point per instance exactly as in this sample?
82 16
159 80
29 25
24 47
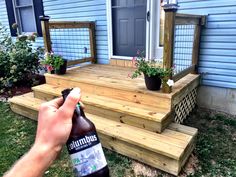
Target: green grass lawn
215 150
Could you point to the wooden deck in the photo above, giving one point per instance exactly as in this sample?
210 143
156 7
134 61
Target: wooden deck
130 119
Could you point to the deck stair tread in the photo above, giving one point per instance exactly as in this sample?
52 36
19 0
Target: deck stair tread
126 107
116 77
171 143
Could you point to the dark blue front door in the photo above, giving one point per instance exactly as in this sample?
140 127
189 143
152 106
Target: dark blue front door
128 26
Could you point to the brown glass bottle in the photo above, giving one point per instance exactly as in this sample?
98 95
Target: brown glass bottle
84 146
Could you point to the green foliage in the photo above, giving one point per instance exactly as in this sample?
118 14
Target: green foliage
216 144
19 61
149 68
52 61
57 62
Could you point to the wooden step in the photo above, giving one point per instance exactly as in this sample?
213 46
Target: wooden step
147 117
167 151
112 82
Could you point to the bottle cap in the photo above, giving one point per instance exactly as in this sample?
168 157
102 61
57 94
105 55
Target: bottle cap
66 92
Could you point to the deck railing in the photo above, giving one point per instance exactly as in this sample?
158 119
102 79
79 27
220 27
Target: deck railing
75 41
181 43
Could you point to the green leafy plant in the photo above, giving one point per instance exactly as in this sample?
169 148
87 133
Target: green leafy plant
19 60
150 68
52 61
57 61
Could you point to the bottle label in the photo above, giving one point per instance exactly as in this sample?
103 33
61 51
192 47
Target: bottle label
86 154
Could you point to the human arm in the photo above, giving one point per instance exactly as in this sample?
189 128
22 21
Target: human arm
54 127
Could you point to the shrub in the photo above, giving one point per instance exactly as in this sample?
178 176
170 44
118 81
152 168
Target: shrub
19 61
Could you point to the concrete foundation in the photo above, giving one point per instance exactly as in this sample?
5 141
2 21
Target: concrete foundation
219 99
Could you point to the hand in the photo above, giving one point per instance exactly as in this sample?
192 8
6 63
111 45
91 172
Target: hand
55 122
54 127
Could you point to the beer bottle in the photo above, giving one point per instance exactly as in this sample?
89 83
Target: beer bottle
84 146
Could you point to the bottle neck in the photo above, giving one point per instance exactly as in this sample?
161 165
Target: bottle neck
79 110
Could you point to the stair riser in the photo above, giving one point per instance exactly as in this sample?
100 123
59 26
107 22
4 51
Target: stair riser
139 153
136 97
188 151
127 119
117 116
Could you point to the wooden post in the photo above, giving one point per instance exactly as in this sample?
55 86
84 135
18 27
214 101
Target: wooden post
46 33
169 35
196 46
92 39
196 43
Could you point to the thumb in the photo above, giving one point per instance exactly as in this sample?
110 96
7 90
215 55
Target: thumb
70 103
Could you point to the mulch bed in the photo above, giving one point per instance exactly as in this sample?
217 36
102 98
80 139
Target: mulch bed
21 88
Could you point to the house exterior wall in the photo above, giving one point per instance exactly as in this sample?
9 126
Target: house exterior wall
4 21
218 42
217 52
74 10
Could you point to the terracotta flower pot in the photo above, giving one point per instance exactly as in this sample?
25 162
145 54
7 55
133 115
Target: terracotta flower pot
153 82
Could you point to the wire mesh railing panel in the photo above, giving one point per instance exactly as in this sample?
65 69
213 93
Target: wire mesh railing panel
183 47
71 43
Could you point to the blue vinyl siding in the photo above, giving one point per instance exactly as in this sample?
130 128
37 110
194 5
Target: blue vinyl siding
3 15
74 10
82 10
218 41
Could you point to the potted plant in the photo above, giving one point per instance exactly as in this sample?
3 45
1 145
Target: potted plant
47 62
154 73
54 63
59 64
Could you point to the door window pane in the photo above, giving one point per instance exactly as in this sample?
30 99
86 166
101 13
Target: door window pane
27 19
23 2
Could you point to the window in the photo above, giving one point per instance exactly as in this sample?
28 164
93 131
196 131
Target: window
26 14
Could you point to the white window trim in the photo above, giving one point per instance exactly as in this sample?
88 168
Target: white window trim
153 50
17 16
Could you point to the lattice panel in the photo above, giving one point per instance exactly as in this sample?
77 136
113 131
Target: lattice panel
185 106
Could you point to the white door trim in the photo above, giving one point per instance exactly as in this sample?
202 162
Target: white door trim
158 50
109 32
148 23
109 29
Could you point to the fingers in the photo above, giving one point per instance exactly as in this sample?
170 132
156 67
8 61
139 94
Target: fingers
55 104
71 101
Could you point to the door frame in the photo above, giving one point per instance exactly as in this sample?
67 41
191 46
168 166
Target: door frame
148 46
